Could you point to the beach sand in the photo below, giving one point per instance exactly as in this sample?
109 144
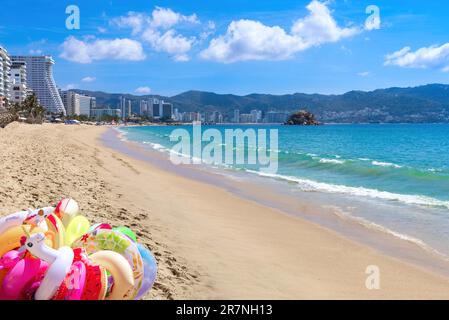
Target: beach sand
209 243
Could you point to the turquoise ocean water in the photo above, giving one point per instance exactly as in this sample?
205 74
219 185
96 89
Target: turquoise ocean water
400 170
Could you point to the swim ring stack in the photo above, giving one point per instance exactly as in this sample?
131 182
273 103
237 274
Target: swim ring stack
55 254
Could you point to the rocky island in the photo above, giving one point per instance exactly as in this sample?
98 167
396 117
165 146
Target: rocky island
302 118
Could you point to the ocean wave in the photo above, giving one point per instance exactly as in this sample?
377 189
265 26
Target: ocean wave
314 186
385 164
122 135
333 161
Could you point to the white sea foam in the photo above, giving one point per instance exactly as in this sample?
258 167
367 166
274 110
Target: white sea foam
385 164
157 146
311 186
121 135
334 161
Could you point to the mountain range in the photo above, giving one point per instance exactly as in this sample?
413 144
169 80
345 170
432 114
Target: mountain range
428 103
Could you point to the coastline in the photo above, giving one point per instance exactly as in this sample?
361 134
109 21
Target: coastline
209 242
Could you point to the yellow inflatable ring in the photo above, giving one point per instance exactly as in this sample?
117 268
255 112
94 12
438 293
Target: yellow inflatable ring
107 239
10 240
120 270
56 230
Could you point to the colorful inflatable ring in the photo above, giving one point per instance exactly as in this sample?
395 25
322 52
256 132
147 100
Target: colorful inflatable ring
72 287
106 239
150 271
120 270
55 275
7 262
99 226
96 279
17 279
56 230
10 240
18 218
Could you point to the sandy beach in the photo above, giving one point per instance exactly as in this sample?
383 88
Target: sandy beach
209 243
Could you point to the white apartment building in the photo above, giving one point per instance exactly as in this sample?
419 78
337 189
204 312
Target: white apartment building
40 80
19 89
77 104
5 66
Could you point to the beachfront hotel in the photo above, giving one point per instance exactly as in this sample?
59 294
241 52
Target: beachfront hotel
19 89
39 74
77 104
5 67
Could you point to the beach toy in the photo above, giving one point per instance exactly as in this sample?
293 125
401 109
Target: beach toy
96 284
55 254
10 240
73 285
56 230
66 210
7 261
120 270
78 226
18 218
149 271
99 226
127 232
59 262
106 239
19 277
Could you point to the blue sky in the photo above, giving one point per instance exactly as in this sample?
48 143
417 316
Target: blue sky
234 46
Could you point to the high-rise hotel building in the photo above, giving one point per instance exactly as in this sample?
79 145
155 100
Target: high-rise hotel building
19 89
77 104
5 67
39 71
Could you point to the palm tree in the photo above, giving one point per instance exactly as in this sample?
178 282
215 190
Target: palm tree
29 108
7 115
32 110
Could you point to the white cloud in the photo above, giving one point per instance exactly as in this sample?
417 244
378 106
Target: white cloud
87 51
88 79
363 74
143 90
436 57
252 40
158 30
102 30
170 42
133 20
208 30
167 18
320 27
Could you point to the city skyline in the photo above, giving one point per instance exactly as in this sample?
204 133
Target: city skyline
171 47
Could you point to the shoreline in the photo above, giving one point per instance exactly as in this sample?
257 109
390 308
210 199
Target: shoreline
385 242
312 207
209 243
